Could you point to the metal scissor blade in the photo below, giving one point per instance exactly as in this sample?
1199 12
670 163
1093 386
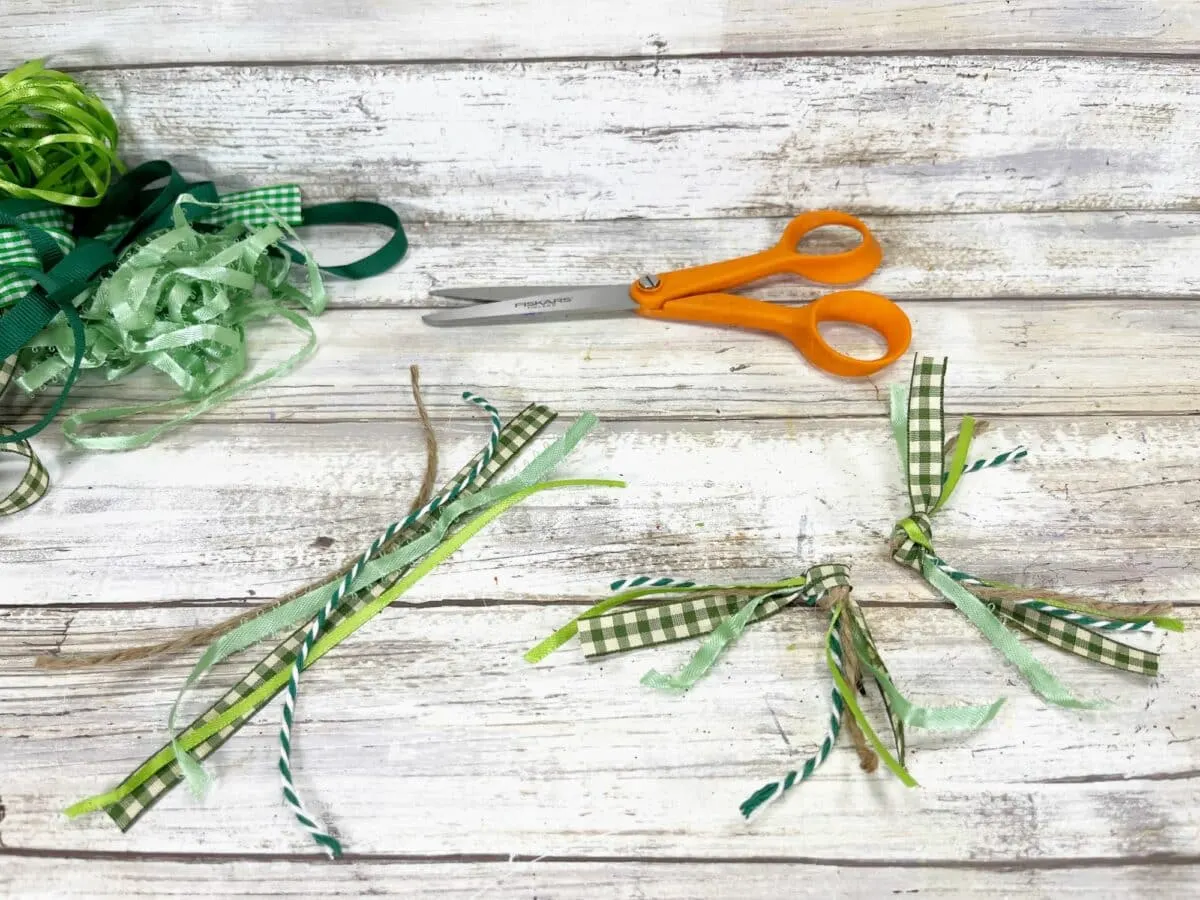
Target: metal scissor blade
576 303
492 294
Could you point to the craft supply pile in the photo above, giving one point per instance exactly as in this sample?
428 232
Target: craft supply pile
106 270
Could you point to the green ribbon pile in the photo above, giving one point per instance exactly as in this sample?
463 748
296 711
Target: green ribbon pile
933 468
408 556
670 610
147 270
166 277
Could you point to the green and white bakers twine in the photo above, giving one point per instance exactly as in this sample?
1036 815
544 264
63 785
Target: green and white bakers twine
290 796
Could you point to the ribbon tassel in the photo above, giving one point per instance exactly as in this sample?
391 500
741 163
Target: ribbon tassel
919 428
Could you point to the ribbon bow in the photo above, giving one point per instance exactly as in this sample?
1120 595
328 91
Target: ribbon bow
933 468
672 610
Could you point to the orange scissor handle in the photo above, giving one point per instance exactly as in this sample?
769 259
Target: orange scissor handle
826 268
800 325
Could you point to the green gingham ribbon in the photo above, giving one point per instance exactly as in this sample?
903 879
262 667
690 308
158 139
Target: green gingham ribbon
918 423
209 731
36 480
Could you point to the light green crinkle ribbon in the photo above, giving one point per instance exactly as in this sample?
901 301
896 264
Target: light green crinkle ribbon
180 303
710 649
305 607
930 718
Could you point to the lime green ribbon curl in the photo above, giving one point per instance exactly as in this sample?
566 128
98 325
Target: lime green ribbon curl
58 141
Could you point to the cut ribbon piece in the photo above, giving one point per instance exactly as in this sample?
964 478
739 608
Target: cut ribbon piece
919 428
159 774
131 796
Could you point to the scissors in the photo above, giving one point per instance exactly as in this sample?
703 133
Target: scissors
697 295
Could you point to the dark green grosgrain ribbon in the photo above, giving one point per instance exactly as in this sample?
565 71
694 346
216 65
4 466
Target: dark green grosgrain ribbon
932 474
190 293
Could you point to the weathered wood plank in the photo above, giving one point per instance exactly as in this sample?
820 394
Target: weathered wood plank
1089 358
52 877
1118 255
241 511
277 31
685 138
427 734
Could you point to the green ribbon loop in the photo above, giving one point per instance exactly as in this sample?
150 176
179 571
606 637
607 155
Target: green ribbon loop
58 142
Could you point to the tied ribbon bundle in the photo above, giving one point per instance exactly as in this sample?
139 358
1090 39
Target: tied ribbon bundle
161 276
405 552
58 142
670 610
1088 628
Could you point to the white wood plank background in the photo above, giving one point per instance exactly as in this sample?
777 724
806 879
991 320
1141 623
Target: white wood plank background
1029 169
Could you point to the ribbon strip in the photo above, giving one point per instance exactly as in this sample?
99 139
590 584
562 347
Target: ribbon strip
919 428
36 480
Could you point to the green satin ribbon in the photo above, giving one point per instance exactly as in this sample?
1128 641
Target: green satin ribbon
178 303
306 606
58 142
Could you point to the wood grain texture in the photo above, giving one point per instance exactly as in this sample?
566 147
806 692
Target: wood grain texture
124 33
237 511
431 736
1037 358
685 138
1102 254
553 878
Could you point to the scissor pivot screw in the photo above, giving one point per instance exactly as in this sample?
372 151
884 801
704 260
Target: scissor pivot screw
648 282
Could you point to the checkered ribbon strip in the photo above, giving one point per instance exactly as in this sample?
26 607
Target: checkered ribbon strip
1080 641
629 629
125 813
36 480
255 208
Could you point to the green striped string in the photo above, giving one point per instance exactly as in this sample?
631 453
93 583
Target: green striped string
772 791
1015 455
291 798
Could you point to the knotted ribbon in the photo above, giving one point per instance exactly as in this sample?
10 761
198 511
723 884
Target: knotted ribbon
933 468
671 610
